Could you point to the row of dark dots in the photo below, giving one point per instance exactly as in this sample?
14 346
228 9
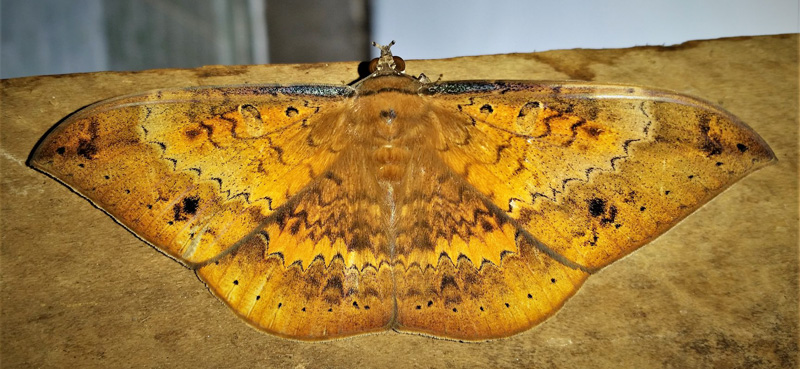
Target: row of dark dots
455 310
330 310
106 177
666 193
280 304
366 307
127 191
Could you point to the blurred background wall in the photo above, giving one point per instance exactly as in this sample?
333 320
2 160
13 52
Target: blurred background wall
69 36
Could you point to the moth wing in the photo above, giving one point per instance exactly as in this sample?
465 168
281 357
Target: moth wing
241 183
320 267
193 171
592 171
463 269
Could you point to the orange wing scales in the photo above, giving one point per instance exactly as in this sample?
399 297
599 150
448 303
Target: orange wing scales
317 302
463 210
632 162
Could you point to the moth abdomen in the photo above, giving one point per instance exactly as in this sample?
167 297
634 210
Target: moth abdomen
392 161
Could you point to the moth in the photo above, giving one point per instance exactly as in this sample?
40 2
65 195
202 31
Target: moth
465 210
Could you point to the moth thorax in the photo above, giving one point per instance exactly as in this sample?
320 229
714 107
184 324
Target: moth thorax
391 162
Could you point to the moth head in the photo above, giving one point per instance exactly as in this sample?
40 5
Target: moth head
386 63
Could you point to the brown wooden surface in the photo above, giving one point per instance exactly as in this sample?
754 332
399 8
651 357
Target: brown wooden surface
719 290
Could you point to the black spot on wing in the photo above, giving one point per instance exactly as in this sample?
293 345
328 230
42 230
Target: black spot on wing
187 207
87 149
597 207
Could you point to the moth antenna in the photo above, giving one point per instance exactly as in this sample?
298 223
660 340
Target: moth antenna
384 48
386 63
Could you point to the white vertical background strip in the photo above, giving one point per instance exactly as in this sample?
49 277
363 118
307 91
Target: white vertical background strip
258 31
